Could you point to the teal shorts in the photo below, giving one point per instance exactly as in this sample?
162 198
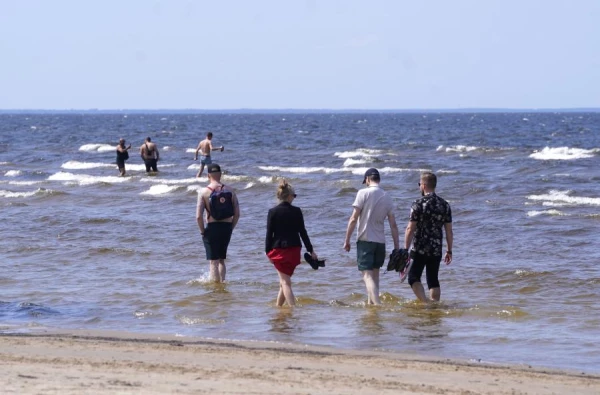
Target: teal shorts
369 255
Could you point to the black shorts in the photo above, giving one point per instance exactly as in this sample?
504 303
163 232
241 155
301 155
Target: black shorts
216 239
120 164
150 165
432 266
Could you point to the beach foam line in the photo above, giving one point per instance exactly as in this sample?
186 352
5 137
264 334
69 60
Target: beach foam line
360 152
97 148
471 148
352 162
37 192
75 165
564 153
563 198
84 179
552 212
160 189
24 182
330 170
174 181
13 173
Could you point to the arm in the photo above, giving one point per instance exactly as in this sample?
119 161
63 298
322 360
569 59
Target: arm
269 236
304 234
409 234
351 226
200 206
197 150
449 241
394 229
236 211
157 153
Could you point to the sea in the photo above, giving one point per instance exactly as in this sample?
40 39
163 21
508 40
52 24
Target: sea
82 248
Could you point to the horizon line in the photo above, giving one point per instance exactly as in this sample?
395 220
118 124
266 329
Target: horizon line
297 110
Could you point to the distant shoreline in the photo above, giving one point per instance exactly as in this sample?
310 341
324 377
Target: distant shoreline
304 111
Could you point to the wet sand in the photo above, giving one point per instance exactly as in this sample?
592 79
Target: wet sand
75 362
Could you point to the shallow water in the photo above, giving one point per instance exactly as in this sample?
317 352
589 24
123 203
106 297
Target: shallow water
83 248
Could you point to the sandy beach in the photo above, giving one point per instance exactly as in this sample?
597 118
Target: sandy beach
115 362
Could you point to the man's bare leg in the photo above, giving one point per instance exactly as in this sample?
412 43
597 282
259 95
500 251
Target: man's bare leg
201 170
286 287
435 293
372 283
222 270
214 275
419 291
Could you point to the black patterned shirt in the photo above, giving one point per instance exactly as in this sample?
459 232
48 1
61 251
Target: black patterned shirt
430 213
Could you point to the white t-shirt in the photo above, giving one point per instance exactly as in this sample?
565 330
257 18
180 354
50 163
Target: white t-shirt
375 206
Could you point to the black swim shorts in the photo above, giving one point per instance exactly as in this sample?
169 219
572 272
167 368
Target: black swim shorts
216 239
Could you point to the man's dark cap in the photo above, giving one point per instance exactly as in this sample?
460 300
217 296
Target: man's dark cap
371 172
213 168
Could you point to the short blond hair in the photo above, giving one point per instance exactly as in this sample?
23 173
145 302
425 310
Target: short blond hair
429 179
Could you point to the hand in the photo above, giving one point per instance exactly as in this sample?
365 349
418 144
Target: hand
129 146
195 158
222 148
314 255
347 246
448 258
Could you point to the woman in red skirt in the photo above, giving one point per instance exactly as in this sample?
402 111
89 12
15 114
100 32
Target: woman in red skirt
285 228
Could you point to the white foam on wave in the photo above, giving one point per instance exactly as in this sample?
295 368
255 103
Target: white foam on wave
249 185
361 152
443 171
552 212
556 198
458 148
563 153
13 173
134 167
329 170
175 181
75 165
4 163
191 150
265 179
160 189
194 188
302 170
11 194
24 182
84 179
383 170
97 147
351 162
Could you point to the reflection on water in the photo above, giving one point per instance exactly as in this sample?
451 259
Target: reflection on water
370 322
283 320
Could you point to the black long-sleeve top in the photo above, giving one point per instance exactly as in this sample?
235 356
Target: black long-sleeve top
285 227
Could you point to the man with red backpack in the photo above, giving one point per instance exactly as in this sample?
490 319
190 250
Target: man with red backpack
217 214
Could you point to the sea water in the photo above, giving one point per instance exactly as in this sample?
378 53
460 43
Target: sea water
81 247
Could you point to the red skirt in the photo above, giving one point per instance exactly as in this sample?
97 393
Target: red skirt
285 259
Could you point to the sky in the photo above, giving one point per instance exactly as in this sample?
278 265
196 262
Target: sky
299 54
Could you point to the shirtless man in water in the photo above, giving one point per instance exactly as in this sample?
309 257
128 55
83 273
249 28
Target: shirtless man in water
205 147
150 155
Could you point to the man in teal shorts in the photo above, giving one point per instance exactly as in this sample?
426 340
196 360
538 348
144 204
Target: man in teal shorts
371 207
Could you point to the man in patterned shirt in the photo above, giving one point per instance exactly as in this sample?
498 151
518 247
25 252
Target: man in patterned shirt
428 215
